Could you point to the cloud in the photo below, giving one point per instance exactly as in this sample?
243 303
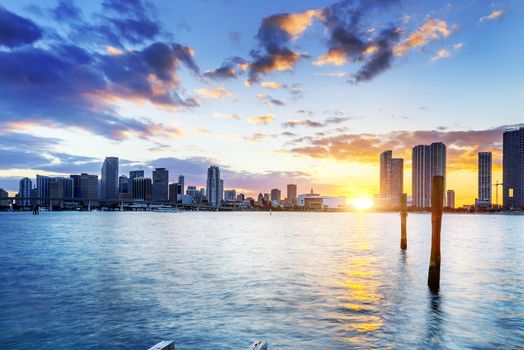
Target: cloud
257 137
462 146
66 11
274 36
381 58
268 100
493 15
270 85
306 122
17 31
230 69
228 116
263 119
332 74
215 93
432 29
443 53
314 124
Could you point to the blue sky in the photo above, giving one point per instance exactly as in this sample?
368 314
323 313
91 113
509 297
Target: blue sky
310 92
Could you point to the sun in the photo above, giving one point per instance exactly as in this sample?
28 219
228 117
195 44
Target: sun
362 203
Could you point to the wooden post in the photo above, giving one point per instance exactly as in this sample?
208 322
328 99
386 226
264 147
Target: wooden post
403 219
437 199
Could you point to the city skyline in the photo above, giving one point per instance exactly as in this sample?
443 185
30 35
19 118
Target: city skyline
316 112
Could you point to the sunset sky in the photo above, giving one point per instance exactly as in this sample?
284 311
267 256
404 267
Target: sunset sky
274 92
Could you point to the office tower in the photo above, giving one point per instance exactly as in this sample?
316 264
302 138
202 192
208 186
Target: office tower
76 185
161 184
213 186
484 182
123 184
260 199
240 197
4 202
173 192
292 194
109 182
513 168
24 192
221 189
142 189
451 199
89 186
266 197
191 191
42 189
391 179
134 174
275 195
230 195
181 187
427 161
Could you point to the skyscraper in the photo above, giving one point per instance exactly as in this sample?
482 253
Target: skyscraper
173 192
428 161
213 186
109 182
391 179
230 195
24 192
513 168
181 186
160 184
42 189
134 174
484 182
451 199
292 194
123 184
275 195
142 188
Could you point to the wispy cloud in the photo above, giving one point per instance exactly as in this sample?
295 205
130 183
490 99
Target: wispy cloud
268 100
493 15
214 93
270 85
228 116
263 119
432 29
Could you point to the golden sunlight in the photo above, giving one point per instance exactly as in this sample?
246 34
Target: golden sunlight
362 203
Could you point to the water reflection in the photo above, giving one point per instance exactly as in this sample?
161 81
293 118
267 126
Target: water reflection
434 338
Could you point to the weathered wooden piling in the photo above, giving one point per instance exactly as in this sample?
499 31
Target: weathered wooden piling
437 201
403 220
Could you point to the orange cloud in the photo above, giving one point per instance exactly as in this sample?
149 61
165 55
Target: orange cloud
493 15
294 24
263 119
433 29
215 93
270 85
462 146
444 53
113 51
336 57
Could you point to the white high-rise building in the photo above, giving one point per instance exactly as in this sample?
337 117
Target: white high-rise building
428 161
214 188
484 183
391 180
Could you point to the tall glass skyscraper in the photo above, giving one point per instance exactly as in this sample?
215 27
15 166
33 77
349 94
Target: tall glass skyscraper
109 182
160 184
214 194
484 182
428 161
513 168
24 192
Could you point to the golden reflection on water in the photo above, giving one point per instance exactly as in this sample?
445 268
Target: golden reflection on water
359 310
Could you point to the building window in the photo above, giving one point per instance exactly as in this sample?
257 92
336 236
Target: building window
510 193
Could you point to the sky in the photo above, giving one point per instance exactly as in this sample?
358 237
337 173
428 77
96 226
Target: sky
274 92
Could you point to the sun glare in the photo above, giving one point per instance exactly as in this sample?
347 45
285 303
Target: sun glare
362 203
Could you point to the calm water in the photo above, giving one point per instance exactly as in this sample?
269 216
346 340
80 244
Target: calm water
222 280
